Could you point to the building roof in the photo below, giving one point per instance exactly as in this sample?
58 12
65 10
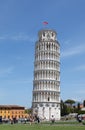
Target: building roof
11 106
83 109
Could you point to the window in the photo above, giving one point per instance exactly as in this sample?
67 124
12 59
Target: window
44 34
47 46
8 117
48 98
52 34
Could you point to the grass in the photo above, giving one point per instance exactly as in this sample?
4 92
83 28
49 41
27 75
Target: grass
63 122
41 127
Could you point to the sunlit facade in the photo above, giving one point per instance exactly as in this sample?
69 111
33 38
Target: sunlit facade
12 111
46 83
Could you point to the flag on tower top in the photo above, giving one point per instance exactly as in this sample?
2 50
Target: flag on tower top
45 22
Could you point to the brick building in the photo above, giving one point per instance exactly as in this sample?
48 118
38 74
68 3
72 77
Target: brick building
12 111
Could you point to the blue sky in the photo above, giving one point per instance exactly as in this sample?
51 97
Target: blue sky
20 21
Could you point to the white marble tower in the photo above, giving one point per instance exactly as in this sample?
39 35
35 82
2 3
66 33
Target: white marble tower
46 84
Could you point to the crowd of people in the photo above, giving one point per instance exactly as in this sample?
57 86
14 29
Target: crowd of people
30 120
25 120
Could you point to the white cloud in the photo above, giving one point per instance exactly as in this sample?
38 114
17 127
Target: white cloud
80 68
67 42
79 94
17 81
81 91
20 81
19 36
73 51
2 37
2 94
19 58
6 71
22 37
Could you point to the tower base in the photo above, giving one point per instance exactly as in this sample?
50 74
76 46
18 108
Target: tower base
47 111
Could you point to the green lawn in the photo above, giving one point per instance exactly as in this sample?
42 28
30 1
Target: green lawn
40 127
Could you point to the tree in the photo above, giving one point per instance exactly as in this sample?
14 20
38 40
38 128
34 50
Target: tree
78 106
64 109
84 103
70 108
70 102
28 111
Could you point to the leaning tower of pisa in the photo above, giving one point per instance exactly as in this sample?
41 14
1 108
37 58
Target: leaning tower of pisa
46 83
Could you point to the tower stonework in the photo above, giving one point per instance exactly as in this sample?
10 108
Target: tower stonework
46 83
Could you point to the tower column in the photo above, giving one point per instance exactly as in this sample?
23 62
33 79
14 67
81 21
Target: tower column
46 83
